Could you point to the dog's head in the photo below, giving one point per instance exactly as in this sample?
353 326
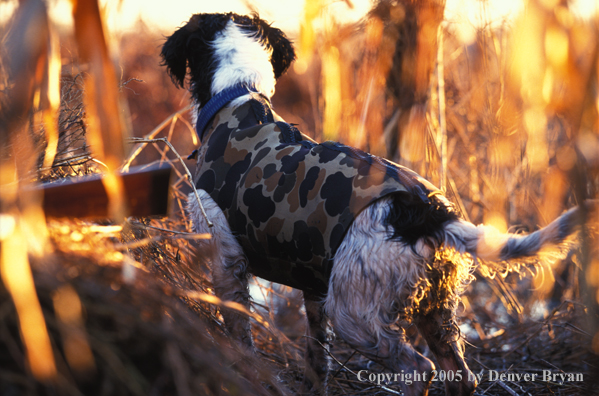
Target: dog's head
222 50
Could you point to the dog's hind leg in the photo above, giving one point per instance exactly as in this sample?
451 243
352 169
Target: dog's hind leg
372 277
387 347
229 265
317 344
439 330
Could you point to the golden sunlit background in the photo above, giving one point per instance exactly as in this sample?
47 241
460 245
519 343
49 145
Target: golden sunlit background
496 102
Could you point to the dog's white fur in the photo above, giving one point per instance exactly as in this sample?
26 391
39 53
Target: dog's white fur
241 59
229 272
372 274
366 285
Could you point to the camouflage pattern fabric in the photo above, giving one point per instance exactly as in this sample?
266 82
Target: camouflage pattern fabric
289 200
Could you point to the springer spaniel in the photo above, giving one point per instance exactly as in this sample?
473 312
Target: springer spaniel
373 246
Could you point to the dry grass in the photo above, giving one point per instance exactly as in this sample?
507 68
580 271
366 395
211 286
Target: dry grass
127 308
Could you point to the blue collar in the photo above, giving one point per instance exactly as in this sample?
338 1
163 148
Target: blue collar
219 101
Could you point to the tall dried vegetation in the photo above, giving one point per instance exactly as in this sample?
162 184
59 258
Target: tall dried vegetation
507 125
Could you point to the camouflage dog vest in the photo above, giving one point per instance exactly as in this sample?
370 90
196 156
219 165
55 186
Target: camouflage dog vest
288 200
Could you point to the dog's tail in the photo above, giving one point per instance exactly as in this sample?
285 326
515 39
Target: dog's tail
487 243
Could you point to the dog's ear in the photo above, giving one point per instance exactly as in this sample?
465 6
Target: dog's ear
189 46
283 53
174 53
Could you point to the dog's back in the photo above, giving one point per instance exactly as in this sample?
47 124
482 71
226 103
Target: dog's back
289 200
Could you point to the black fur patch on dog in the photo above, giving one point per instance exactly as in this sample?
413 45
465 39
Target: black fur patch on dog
413 219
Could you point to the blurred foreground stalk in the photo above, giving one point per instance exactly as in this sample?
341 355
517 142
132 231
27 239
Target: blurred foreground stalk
32 69
18 279
106 121
32 63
